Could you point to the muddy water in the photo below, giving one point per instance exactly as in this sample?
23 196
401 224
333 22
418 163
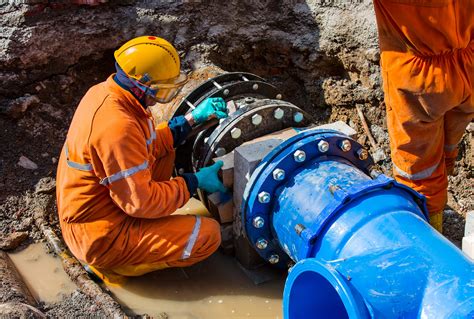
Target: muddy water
43 273
215 288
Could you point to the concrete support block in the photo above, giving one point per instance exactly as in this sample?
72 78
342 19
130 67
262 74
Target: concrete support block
227 169
339 126
468 239
220 204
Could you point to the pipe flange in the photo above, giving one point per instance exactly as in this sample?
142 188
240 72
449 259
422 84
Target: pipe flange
278 166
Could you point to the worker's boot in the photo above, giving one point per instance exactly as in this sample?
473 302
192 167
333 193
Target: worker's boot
104 276
436 220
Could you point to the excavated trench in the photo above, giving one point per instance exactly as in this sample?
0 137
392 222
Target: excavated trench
322 56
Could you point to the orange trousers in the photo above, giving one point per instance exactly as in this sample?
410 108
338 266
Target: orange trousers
172 241
427 68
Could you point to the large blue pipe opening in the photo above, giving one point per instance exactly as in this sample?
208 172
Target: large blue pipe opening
362 244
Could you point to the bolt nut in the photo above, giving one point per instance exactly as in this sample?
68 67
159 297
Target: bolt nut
298 117
261 243
181 171
323 146
278 96
274 259
278 113
256 119
362 154
221 120
258 222
374 173
206 139
345 145
255 87
264 197
299 156
220 151
249 100
226 92
278 174
235 132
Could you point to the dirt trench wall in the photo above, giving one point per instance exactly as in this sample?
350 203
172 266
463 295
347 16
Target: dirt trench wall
321 45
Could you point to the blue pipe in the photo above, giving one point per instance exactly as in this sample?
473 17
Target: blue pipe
362 245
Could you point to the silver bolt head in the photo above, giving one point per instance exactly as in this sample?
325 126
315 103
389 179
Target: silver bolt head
299 156
249 100
206 139
235 133
220 151
256 119
258 222
274 259
261 243
264 197
278 174
226 92
346 145
278 113
278 96
363 154
323 146
255 87
181 171
221 120
298 117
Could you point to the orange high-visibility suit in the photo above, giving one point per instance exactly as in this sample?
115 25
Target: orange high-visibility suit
427 68
114 191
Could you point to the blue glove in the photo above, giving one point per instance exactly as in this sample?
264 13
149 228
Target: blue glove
208 179
211 107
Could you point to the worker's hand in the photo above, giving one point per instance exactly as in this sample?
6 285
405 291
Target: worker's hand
208 179
210 108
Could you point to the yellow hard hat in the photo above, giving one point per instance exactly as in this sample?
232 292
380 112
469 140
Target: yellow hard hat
153 62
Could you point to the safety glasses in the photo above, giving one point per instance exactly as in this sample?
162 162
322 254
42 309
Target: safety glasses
168 89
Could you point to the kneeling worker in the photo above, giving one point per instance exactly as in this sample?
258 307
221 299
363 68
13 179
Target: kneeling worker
114 191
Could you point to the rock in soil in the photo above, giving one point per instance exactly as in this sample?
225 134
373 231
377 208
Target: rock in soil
13 240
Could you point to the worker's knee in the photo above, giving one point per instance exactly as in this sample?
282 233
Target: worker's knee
210 235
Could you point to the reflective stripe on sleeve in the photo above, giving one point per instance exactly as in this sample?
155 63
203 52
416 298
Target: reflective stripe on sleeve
192 239
152 133
417 176
123 174
75 165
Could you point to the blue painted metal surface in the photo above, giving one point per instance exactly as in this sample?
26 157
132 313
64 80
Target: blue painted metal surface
362 246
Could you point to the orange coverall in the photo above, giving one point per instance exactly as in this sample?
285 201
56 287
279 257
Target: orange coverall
114 191
427 68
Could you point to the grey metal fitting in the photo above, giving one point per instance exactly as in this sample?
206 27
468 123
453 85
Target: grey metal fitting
249 100
220 151
278 174
255 87
363 154
264 197
261 243
256 119
258 222
374 172
181 171
278 97
298 117
345 145
274 259
226 92
278 114
235 132
323 146
299 156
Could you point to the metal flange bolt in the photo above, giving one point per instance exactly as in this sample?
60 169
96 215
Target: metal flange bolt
278 96
363 154
255 87
298 117
235 133
220 152
323 146
299 156
278 113
249 100
226 92
278 174
256 119
274 259
258 222
261 243
264 197
345 145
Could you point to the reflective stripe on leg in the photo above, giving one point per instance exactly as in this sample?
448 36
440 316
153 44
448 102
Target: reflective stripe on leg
192 239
